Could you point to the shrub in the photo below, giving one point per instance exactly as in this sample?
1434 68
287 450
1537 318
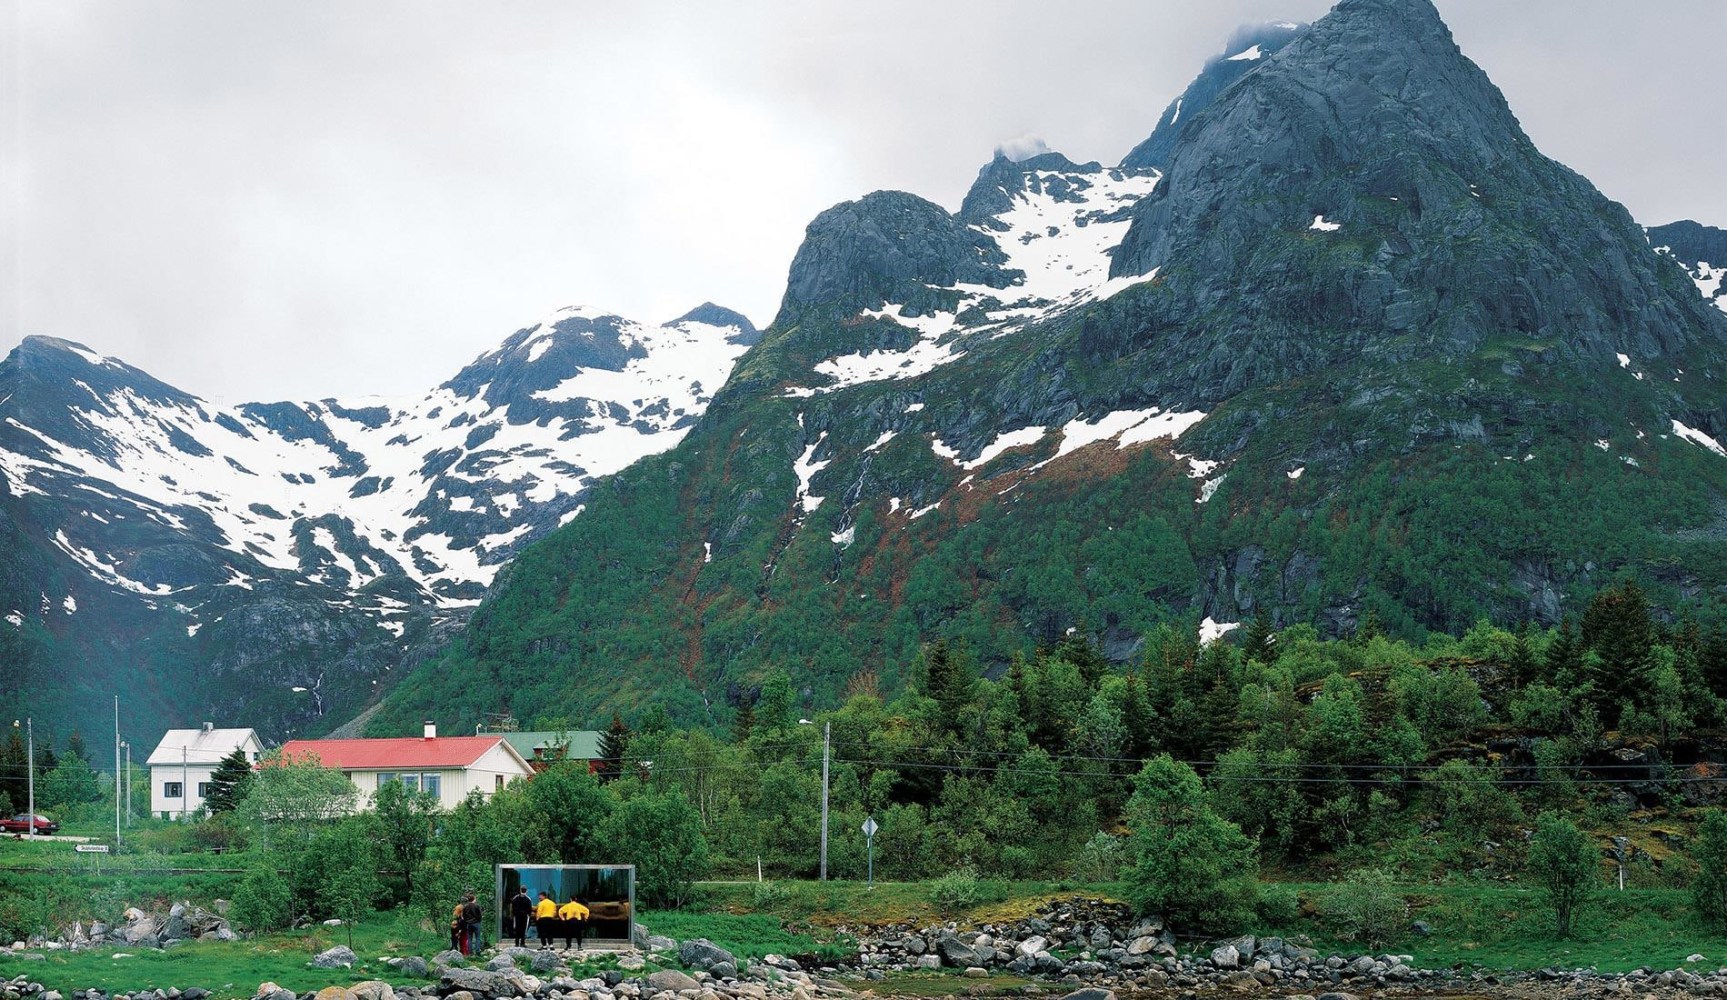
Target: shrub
261 901
1100 858
1564 864
1709 888
955 891
1368 906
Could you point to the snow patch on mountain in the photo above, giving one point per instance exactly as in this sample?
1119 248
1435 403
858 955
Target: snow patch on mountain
436 491
1059 230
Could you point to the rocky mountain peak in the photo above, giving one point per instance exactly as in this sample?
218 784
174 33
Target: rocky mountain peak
1368 192
1246 51
709 314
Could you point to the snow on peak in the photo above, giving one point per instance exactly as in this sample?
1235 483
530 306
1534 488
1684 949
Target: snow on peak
1059 229
1247 55
1323 226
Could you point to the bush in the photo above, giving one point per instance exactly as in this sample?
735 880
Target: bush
1368 906
1709 888
1189 865
1278 906
1100 858
1564 864
767 895
955 891
261 902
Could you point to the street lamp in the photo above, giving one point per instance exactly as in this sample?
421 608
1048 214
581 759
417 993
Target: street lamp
827 748
30 771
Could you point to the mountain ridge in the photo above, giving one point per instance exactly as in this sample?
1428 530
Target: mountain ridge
1109 398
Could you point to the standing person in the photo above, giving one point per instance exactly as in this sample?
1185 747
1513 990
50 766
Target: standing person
545 919
521 908
471 918
459 927
574 916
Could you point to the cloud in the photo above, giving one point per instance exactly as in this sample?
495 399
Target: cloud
1022 148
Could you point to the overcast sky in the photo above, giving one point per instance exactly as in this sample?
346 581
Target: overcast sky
299 198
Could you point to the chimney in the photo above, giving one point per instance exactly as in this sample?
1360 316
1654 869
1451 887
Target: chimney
431 730
209 727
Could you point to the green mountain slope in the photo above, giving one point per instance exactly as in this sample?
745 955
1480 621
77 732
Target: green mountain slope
1361 347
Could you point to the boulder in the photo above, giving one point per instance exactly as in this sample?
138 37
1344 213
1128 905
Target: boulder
339 957
957 953
1032 945
659 942
1142 945
700 953
544 960
1225 957
1091 993
478 981
335 993
723 970
449 956
414 967
672 979
371 989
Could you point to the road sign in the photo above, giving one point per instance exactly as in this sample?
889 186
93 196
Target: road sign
869 829
91 848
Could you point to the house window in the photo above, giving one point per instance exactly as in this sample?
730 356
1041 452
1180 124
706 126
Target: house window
203 789
170 789
432 784
498 783
385 777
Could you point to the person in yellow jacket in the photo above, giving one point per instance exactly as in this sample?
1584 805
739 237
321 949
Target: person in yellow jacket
574 916
546 919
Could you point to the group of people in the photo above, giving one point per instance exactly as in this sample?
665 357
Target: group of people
465 934
550 920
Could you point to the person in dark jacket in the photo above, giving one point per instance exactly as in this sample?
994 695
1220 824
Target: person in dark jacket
521 910
471 919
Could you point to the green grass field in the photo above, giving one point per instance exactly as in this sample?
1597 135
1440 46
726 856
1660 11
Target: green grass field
1493 926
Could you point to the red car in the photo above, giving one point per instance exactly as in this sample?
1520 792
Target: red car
21 824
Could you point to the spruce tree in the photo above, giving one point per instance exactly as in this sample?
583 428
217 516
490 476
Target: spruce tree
228 783
745 722
1618 627
1260 642
1565 660
75 747
614 744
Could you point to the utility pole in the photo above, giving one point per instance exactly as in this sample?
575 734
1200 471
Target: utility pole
30 771
116 770
827 752
126 745
185 793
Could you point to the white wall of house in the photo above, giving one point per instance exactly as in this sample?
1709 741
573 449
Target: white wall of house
178 789
189 787
496 768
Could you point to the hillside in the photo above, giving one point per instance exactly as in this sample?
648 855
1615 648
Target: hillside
271 564
1353 345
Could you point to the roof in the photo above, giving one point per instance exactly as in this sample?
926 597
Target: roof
395 752
202 746
584 744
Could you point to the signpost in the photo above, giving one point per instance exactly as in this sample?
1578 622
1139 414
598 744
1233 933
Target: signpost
869 829
92 849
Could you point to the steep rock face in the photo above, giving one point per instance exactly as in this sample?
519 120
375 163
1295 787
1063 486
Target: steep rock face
1701 250
1247 48
1366 191
274 562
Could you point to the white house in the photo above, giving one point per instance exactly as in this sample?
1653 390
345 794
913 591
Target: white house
447 766
181 765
